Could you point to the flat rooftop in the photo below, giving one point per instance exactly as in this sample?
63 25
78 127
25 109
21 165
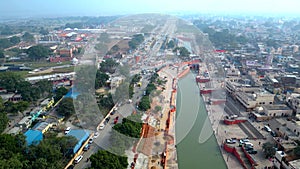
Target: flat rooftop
277 107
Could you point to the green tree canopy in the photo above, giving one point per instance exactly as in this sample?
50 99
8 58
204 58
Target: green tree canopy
28 37
183 52
145 103
101 79
2 53
15 40
106 102
171 44
130 126
150 87
135 41
108 65
106 160
44 31
268 149
3 121
296 151
59 93
38 52
66 107
10 81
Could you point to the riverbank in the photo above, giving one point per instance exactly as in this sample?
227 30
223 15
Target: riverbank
196 145
221 132
216 114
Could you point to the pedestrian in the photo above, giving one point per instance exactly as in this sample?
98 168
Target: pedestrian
258 143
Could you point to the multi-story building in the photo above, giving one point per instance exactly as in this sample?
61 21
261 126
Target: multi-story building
284 59
294 102
253 99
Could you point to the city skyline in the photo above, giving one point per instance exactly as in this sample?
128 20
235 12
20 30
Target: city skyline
36 8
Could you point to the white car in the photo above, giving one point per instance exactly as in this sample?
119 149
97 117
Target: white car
78 159
101 126
96 134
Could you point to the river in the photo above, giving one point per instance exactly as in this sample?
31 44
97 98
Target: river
197 147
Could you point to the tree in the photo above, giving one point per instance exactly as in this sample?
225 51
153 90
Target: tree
14 144
107 102
101 79
183 52
296 151
3 121
136 78
66 107
15 40
1 104
113 50
44 31
130 126
38 52
45 87
66 144
268 149
47 150
150 87
2 54
10 81
107 160
11 107
28 37
108 65
135 41
145 103
157 109
6 30
59 93
171 44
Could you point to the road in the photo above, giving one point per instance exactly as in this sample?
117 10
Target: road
233 107
102 141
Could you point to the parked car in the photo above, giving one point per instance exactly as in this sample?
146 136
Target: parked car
91 140
273 133
67 130
96 134
78 159
86 147
107 119
113 112
248 148
242 141
116 120
230 141
101 127
267 128
248 144
252 152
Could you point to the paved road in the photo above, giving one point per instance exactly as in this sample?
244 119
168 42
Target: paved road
233 107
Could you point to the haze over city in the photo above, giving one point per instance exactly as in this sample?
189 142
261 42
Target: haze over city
54 8
150 84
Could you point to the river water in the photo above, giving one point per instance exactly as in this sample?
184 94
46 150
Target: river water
197 147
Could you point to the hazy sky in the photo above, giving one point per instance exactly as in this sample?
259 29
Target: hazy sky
28 8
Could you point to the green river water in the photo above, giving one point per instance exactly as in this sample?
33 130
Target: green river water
194 150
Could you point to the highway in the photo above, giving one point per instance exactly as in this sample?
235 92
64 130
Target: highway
126 109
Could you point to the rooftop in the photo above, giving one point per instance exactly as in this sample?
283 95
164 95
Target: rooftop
33 137
277 107
295 163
